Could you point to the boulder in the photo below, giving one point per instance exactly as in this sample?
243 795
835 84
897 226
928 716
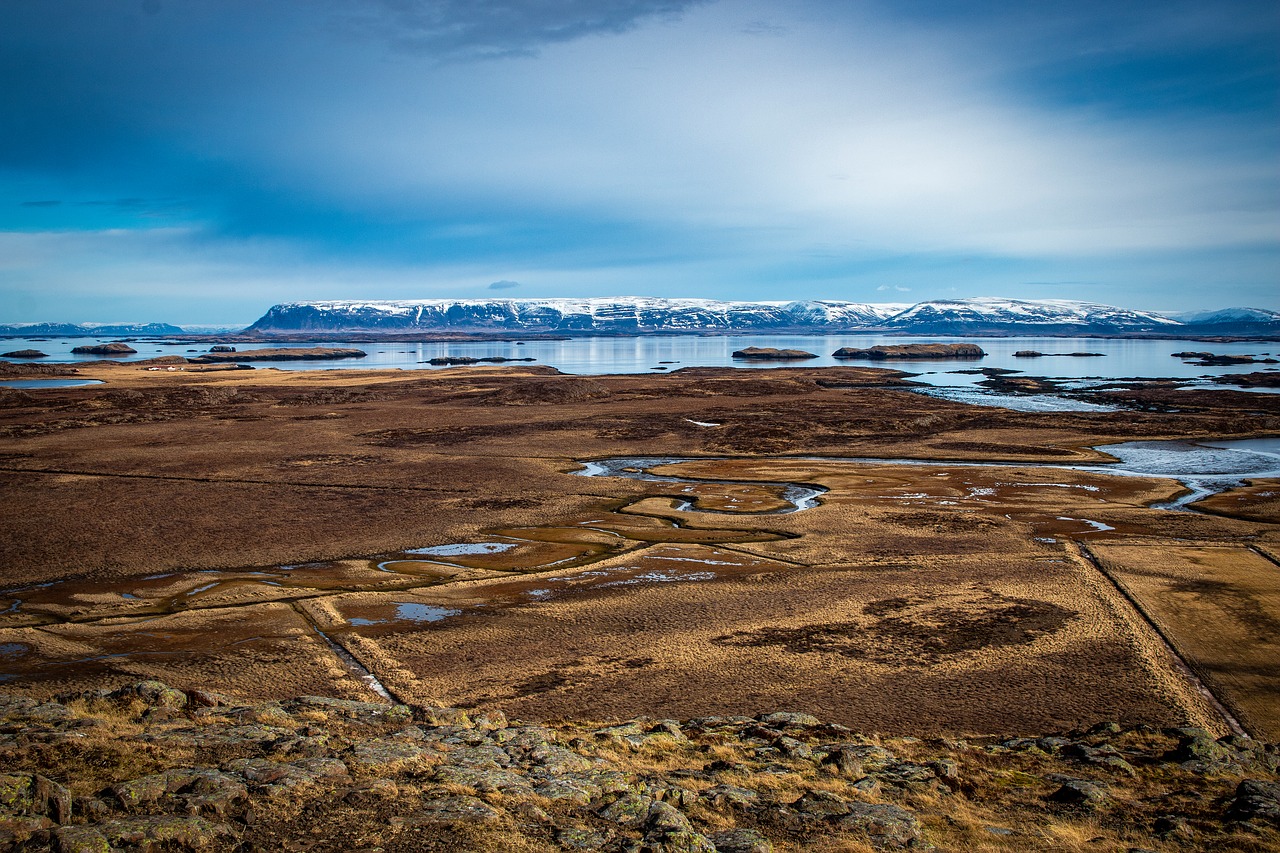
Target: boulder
32 795
1256 800
741 841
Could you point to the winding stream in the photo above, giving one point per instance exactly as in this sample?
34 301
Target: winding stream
1203 467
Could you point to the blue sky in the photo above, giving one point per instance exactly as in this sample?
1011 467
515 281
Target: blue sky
195 161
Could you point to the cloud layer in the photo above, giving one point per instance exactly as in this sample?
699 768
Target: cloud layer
399 148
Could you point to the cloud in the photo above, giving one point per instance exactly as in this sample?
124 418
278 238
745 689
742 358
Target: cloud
488 29
899 288
504 285
985 143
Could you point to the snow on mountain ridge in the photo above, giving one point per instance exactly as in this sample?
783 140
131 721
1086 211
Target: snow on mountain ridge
1226 315
634 312
1040 312
977 315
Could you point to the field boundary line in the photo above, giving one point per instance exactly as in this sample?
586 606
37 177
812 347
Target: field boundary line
1180 663
1264 554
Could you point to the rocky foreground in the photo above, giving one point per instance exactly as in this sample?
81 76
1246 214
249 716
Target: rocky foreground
149 767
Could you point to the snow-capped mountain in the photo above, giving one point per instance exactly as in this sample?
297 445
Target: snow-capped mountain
37 330
606 314
1232 321
982 315
1044 316
1229 315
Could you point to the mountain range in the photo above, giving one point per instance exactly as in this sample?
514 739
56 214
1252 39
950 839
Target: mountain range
981 315
632 315
62 330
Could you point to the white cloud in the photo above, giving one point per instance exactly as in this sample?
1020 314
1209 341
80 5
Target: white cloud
848 128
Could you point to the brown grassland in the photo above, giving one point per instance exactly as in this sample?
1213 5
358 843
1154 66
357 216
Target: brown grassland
202 528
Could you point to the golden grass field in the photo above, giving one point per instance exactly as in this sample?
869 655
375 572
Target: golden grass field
201 528
1218 605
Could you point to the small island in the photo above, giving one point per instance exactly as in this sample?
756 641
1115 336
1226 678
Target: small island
772 354
466 359
114 348
929 351
25 353
1208 359
1030 353
284 354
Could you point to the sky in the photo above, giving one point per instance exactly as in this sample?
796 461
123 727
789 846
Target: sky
196 161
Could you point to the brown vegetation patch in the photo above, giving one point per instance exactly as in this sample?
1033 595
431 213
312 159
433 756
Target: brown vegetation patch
334 397
920 629
535 392
329 459
942 522
998 451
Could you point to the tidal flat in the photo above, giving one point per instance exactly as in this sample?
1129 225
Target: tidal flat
268 534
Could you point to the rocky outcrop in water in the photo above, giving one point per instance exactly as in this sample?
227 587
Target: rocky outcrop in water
1208 359
114 348
909 351
25 353
149 767
466 359
772 354
1030 353
282 354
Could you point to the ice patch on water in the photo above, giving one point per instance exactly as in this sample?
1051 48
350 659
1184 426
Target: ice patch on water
1096 525
694 560
463 549
662 577
1014 402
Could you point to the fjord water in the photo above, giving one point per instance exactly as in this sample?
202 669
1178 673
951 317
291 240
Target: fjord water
1121 358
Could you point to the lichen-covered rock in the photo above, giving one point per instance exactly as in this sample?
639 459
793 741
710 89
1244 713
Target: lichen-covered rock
484 780
155 694
352 709
33 795
382 756
678 841
581 838
150 832
741 841
455 810
789 718
1079 792
884 824
730 796
82 839
630 810
197 791
908 775
282 779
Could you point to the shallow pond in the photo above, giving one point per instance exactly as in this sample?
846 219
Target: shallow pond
47 383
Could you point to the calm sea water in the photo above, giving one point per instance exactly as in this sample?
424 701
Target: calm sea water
1120 359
